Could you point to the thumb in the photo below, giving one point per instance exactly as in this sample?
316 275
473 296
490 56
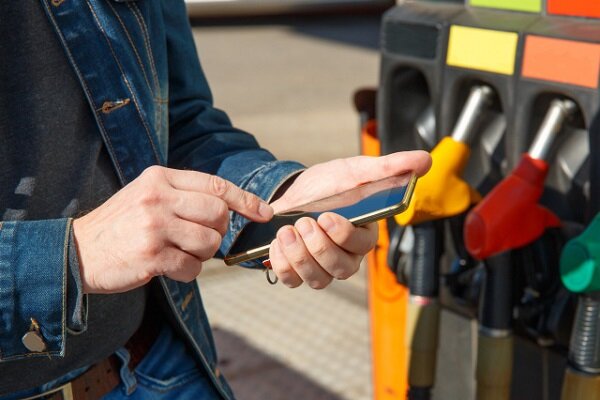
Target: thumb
417 161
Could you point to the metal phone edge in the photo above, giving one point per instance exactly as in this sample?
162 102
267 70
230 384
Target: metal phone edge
357 221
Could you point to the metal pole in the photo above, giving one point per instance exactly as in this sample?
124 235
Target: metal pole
478 99
553 122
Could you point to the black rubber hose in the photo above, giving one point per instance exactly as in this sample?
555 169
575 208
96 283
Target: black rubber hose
495 311
425 258
419 394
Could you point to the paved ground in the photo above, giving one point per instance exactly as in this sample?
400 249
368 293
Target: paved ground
290 81
278 343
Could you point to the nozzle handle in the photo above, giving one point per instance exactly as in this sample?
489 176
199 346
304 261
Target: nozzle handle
580 260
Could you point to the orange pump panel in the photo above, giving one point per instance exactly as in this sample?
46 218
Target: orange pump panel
387 304
559 60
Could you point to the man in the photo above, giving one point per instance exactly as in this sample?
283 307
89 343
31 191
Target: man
118 179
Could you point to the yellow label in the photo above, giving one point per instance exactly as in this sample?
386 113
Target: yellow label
482 49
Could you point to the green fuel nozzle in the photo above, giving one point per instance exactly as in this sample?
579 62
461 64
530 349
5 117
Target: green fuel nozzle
580 273
580 260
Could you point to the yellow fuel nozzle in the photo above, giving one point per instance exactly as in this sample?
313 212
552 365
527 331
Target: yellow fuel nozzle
442 193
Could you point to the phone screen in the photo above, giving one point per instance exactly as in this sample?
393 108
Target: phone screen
363 204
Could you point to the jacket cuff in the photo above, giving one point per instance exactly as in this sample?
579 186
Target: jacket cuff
263 182
33 269
76 299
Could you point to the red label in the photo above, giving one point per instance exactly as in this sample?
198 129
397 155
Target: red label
580 8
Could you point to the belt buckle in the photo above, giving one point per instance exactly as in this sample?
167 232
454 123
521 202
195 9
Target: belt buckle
65 391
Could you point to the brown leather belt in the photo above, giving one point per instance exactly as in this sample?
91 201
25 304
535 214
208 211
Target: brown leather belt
103 376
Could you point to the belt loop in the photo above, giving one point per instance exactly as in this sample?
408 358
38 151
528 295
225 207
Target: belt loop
65 392
127 376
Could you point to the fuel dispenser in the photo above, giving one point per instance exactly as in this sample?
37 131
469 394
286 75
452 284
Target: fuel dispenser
509 217
542 67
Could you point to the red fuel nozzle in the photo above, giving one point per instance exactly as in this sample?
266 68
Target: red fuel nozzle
510 216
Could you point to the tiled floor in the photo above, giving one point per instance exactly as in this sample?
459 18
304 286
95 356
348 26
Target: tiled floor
301 339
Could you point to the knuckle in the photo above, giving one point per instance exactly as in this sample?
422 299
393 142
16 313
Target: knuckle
144 276
342 273
212 241
186 268
386 165
249 201
191 273
291 283
319 284
301 259
218 185
151 246
153 172
221 215
285 273
178 264
150 197
373 242
221 210
288 279
223 228
186 278
373 234
149 222
320 250
346 236
287 276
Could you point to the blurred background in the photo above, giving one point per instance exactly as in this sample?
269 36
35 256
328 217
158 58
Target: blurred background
287 75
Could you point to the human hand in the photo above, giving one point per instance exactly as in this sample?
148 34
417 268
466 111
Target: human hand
331 247
165 222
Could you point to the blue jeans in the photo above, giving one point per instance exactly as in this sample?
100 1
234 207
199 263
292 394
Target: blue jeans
168 371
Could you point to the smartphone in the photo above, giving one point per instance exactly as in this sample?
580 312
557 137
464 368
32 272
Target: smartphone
366 203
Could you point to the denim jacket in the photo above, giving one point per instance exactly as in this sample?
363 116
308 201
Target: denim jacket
137 64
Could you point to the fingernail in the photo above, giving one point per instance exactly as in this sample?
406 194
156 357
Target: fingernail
327 223
305 228
265 210
287 236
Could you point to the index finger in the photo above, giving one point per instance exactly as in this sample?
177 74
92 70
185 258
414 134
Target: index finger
241 201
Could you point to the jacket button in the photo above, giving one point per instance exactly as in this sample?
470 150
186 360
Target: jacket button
57 3
217 372
33 341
